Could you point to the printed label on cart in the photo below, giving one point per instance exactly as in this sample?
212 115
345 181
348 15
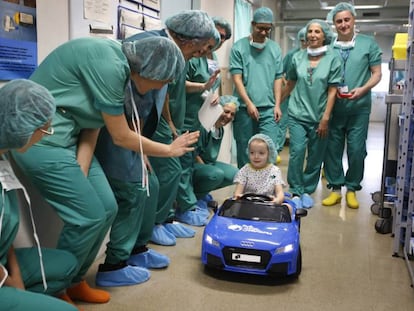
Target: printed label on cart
245 257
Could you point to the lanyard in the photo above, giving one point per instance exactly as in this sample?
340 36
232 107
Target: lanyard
344 55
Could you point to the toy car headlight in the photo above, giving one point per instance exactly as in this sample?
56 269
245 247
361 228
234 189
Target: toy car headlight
211 241
285 249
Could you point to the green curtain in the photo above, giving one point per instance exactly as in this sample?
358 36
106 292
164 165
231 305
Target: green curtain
243 14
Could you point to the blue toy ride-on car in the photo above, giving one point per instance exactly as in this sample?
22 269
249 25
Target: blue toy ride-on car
254 235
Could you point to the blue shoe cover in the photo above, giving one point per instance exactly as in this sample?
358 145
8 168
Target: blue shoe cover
307 201
128 275
179 230
162 236
193 218
202 208
297 201
149 259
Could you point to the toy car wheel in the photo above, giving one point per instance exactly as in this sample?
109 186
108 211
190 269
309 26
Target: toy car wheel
376 196
298 264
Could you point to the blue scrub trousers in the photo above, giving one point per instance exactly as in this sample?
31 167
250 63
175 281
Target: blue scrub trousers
86 205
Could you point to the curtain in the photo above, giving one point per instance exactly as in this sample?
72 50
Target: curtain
243 14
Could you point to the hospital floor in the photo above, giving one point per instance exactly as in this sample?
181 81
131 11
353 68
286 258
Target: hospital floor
347 265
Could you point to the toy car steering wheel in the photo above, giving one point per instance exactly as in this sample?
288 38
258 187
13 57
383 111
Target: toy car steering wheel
254 197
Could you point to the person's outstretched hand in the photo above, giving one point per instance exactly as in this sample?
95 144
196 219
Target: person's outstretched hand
183 143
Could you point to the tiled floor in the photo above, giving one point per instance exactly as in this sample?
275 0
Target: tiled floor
347 265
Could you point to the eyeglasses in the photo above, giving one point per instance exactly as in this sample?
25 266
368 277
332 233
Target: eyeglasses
263 28
49 131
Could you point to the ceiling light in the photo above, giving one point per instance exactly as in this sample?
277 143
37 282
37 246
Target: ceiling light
356 7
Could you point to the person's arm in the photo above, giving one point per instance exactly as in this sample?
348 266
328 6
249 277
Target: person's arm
124 137
194 87
86 147
279 194
238 190
199 160
372 81
241 90
323 123
15 278
166 114
277 90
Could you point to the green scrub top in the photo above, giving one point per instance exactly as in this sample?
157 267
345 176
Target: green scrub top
208 147
308 99
197 72
86 76
259 69
176 93
10 223
357 62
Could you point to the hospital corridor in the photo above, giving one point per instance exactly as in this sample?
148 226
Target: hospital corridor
347 265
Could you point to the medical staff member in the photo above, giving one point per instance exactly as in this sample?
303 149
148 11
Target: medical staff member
123 168
256 68
26 109
170 126
361 61
313 76
283 122
87 77
126 170
202 76
210 174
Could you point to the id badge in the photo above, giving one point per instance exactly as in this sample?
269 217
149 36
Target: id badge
343 89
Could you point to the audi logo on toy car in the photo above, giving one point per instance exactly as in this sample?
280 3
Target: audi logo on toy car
247 244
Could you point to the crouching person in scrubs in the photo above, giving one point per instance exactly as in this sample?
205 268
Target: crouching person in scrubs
87 77
210 174
132 180
25 112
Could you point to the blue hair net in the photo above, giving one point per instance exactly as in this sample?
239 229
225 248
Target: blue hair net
270 145
154 58
263 15
221 22
229 99
329 35
191 23
302 34
25 106
341 6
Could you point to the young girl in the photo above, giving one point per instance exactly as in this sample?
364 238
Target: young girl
261 176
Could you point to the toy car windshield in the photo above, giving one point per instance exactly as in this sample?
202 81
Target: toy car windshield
255 210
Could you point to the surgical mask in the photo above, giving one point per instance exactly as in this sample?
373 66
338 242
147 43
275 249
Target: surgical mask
318 51
258 45
345 45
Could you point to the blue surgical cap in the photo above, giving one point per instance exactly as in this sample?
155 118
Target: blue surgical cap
341 6
192 23
229 99
302 34
329 35
24 107
154 58
221 22
270 145
263 15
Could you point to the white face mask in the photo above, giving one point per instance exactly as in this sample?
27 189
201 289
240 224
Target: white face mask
258 45
345 45
318 51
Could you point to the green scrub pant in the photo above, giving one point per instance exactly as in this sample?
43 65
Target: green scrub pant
186 198
60 268
135 219
283 125
304 139
244 127
212 176
351 130
86 205
168 171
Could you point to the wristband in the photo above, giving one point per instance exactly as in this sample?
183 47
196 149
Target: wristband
6 274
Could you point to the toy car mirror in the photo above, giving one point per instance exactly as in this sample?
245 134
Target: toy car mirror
301 212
